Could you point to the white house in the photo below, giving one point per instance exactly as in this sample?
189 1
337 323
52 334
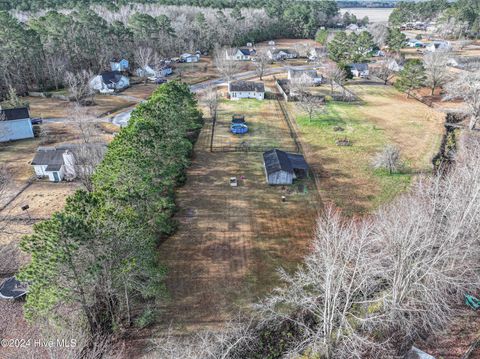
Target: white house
149 72
438 46
109 82
239 54
310 77
246 89
119 65
189 58
15 124
56 163
67 161
359 70
281 54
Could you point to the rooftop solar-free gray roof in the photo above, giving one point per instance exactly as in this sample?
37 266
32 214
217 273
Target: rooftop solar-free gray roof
359 67
246 86
111 76
49 156
276 160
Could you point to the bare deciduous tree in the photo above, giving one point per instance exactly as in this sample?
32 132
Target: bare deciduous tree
384 70
143 58
435 64
56 66
341 273
389 159
335 75
234 341
310 103
467 87
261 62
89 153
226 67
211 99
78 85
379 33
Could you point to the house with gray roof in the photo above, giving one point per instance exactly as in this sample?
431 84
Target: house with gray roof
282 54
282 168
246 89
359 70
67 161
239 54
15 124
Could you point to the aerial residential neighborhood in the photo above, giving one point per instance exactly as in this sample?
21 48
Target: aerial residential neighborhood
239 180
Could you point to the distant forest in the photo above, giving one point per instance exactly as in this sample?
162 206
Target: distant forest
35 5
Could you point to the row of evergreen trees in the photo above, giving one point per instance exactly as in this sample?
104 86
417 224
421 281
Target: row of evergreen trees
98 255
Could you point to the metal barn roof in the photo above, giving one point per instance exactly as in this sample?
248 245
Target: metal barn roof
276 160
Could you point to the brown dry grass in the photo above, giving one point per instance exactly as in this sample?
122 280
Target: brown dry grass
45 107
43 197
140 91
17 156
195 72
411 125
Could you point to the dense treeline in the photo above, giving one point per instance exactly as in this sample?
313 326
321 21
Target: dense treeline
97 256
36 52
35 5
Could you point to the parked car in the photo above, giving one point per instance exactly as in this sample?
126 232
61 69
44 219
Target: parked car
36 121
238 119
160 80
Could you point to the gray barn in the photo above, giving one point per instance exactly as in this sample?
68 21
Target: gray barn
281 168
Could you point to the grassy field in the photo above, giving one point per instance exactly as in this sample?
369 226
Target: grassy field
347 178
267 127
